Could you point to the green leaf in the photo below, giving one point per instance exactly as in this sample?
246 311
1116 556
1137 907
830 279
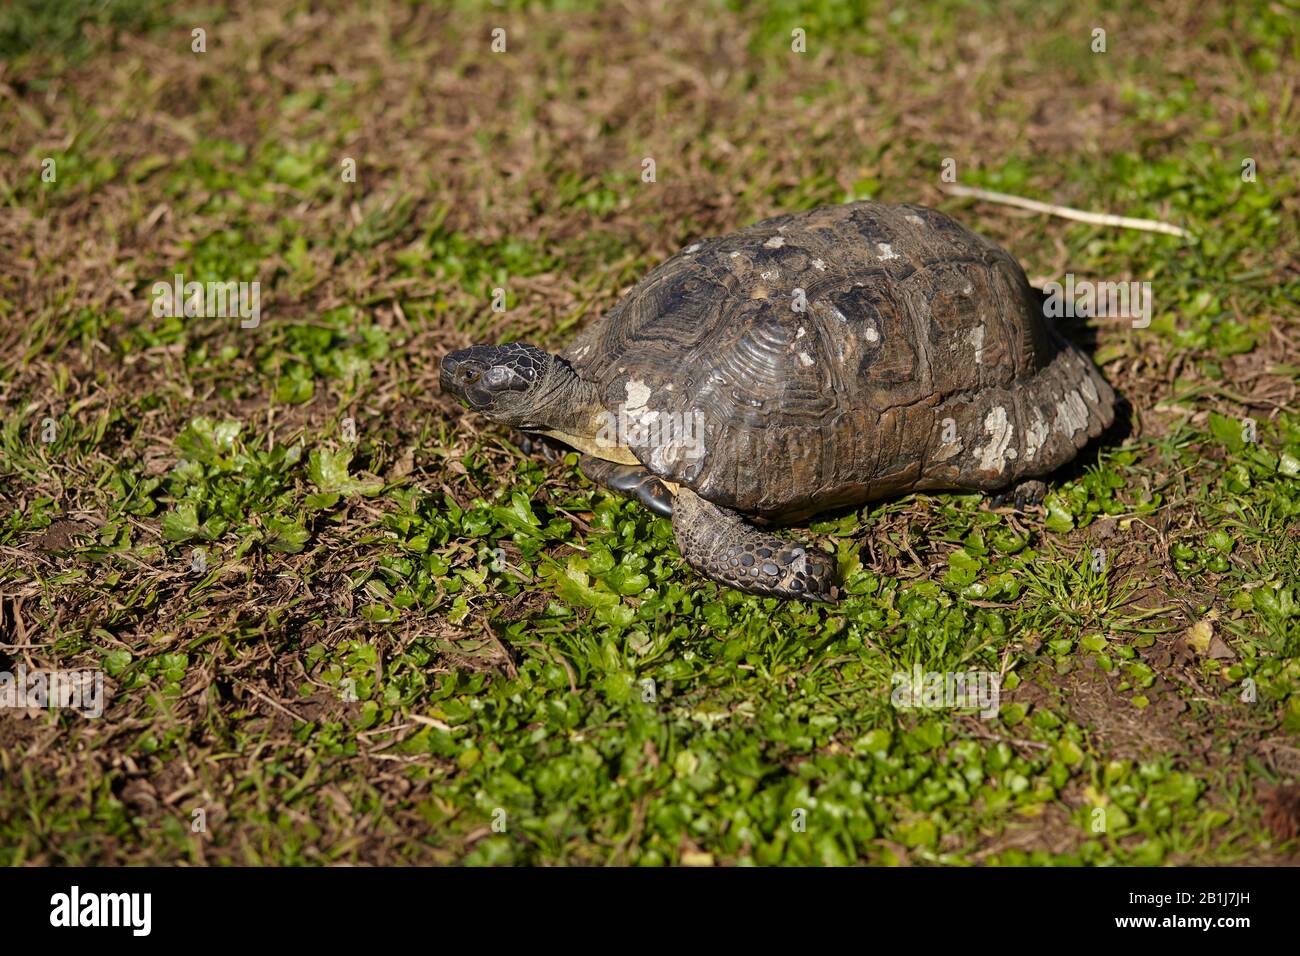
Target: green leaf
285 535
328 470
295 386
574 585
206 441
1059 519
1069 753
519 516
1227 430
182 524
115 662
962 568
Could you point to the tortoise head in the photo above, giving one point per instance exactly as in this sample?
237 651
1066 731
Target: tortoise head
503 382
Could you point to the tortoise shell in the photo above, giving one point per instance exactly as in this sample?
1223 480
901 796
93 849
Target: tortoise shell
837 356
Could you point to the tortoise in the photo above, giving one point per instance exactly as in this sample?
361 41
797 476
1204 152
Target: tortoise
806 363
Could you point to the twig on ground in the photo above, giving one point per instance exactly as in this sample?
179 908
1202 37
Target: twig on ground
1065 212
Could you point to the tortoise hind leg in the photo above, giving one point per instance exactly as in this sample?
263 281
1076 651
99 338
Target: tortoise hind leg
721 545
631 480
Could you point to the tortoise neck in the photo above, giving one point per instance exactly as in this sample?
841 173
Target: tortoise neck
566 404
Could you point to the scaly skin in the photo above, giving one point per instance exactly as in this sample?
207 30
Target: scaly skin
721 545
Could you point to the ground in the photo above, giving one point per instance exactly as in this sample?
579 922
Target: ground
340 618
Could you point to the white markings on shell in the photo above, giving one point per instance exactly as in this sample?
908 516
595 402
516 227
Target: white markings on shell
994 455
1088 389
886 251
819 265
672 438
776 242
869 330
976 339
771 274
693 247
638 393
1035 435
804 358
1071 414
914 219
638 415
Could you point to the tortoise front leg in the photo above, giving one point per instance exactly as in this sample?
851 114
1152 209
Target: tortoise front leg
721 545
1023 495
633 481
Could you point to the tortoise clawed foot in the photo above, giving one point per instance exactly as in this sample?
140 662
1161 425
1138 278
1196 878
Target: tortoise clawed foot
807 574
536 445
823 576
772 567
631 480
655 496
1030 493
1023 496
723 546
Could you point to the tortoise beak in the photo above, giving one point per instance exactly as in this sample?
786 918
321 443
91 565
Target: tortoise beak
460 373
447 375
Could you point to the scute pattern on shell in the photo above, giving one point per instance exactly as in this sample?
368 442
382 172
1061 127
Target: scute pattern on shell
920 360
